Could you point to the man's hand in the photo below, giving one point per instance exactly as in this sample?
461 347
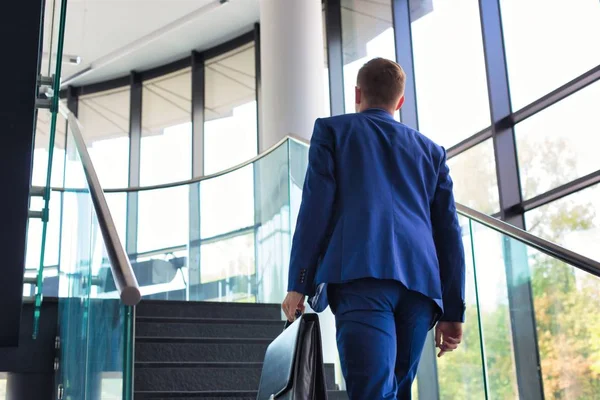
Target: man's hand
448 336
293 301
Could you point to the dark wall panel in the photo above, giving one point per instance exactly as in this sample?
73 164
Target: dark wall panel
21 22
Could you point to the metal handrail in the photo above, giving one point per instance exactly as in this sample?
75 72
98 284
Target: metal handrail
122 272
552 249
199 178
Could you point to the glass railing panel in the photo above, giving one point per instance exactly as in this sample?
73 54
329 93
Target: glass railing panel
95 328
489 259
227 202
562 299
461 374
54 18
272 219
565 301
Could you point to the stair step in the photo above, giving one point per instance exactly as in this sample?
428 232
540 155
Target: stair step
169 349
218 395
197 376
207 327
183 309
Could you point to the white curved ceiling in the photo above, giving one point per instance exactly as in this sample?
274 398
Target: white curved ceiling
96 28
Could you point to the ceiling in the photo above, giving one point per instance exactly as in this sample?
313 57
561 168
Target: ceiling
97 28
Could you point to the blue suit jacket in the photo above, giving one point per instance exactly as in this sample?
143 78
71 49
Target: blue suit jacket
377 203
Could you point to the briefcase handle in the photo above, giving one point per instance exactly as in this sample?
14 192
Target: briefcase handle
288 323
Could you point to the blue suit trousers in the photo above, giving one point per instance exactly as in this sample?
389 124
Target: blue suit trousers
381 330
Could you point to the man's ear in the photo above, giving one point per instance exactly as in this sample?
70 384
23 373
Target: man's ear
357 95
400 103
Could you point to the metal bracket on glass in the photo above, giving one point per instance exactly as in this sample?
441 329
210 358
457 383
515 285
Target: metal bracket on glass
43 103
57 343
38 191
45 80
56 363
30 280
60 392
36 214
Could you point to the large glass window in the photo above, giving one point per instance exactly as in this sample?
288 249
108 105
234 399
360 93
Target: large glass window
367 33
474 175
327 102
230 113
166 152
564 295
104 117
548 43
452 97
561 143
573 222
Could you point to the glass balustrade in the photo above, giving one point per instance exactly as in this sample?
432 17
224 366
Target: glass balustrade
96 329
47 160
227 237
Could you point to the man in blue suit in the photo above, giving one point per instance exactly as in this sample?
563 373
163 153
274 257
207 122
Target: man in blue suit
378 226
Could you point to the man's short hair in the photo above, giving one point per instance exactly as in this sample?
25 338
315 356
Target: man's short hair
381 82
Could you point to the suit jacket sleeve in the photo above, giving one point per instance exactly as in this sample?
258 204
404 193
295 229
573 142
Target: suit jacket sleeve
316 210
449 246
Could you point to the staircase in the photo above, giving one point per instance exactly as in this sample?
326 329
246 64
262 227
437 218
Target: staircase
202 350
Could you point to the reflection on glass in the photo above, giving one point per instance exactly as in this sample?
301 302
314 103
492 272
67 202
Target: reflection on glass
474 176
570 30
451 86
460 373
104 117
163 218
572 222
367 33
560 143
166 150
230 109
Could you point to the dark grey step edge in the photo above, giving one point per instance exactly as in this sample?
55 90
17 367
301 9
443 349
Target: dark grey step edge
211 303
221 393
216 321
195 364
208 340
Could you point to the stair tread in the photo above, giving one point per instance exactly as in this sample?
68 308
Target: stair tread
207 393
212 303
197 364
198 320
209 340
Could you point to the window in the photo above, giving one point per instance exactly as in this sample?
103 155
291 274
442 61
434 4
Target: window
230 113
166 150
564 42
367 33
565 296
327 102
560 143
573 222
104 117
474 176
450 76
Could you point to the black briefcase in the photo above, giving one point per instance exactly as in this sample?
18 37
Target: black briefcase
293 368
